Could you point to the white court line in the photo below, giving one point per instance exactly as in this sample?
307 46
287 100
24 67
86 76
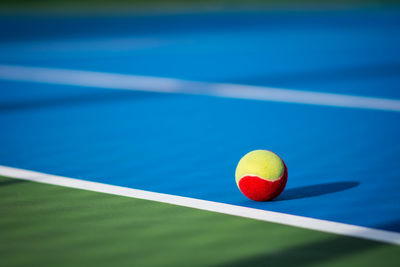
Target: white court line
269 216
169 85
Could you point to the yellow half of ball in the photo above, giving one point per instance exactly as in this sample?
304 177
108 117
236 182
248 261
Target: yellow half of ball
262 163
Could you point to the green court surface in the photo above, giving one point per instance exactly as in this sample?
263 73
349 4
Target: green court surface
165 5
46 225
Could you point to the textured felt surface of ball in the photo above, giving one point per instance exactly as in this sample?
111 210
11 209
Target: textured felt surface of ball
261 175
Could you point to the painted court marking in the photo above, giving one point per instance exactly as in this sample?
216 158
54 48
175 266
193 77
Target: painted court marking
269 216
169 85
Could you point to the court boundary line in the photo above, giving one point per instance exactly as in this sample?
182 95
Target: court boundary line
107 80
217 207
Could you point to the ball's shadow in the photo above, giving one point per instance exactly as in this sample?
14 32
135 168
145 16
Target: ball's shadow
315 190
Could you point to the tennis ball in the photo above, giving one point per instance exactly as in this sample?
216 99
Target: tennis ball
261 175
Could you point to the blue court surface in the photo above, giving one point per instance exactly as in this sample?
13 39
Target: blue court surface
343 163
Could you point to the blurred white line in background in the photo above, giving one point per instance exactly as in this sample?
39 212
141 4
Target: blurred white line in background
171 85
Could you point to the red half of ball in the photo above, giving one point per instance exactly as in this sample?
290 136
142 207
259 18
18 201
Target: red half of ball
259 189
